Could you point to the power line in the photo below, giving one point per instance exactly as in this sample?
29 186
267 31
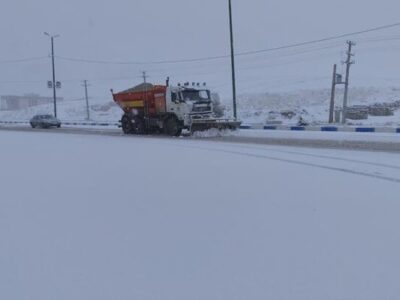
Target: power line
247 53
23 60
21 81
188 71
367 40
242 66
323 39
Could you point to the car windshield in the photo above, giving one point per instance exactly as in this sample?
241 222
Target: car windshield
196 95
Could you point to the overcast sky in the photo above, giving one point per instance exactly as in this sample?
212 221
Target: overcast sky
157 30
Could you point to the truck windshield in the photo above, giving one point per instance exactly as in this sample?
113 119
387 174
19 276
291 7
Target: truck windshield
196 95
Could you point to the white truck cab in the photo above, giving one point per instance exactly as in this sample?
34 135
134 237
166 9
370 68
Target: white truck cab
189 103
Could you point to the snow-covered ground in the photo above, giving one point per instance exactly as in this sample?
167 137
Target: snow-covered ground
311 105
97 217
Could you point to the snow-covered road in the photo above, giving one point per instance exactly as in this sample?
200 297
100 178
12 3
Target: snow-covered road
103 217
382 141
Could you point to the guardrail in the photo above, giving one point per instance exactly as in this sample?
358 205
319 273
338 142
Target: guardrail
14 122
69 123
323 128
90 123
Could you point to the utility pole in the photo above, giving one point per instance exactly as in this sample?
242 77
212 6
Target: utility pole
144 77
232 61
146 103
348 63
52 37
336 79
85 84
332 104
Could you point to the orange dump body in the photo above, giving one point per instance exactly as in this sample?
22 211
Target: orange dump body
150 98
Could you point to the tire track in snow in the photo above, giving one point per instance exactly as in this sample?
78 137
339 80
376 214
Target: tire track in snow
164 139
323 156
379 146
297 162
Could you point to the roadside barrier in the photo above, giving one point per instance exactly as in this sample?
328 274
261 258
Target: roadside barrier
245 126
69 123
325 128
90 124
14 122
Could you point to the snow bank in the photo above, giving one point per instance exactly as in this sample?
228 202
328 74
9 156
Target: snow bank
214 132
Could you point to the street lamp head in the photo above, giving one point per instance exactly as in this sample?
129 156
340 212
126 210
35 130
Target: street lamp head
52 36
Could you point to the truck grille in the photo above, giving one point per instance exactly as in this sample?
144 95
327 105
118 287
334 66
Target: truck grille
202 108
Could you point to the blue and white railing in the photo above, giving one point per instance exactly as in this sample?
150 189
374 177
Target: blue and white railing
325 128
69 123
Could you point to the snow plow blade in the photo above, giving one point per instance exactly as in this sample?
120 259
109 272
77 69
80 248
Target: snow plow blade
220 124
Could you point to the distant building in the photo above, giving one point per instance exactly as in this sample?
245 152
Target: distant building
12 102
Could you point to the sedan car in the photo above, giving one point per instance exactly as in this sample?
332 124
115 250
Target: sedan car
45 121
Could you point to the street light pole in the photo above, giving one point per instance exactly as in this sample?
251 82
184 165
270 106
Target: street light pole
232 61
52 37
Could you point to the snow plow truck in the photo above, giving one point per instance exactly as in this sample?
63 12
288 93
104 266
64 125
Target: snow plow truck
169 109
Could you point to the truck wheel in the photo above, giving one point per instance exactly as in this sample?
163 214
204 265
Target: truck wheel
139 126
171 127
127 126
